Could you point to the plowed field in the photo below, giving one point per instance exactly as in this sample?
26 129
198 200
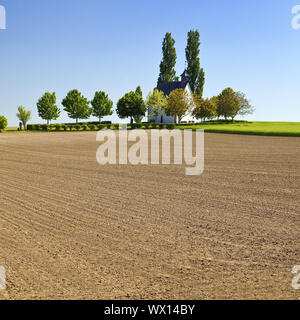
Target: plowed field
71 229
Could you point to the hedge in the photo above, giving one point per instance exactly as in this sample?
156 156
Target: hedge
90 123
97 126
3 123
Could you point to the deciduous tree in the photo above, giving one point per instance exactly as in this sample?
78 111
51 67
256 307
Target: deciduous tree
139 118
228 104
47 108
102 105
245 107
131 105
178 104
156 103
3 123
139 91
24 116
77 106
204 108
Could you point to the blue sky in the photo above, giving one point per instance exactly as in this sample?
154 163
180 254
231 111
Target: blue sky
59 45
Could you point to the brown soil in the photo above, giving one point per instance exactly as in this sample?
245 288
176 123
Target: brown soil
70 229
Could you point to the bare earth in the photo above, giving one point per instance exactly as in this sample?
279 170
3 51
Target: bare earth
70 229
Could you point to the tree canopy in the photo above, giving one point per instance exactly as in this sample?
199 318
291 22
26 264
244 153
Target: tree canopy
167 65
192 52
47 108
102 105
139 91
245 107
131 105
200 83
228 104
204 108
76 105
156 103
3 123
24 116
178 104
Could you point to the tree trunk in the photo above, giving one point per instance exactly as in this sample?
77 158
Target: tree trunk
76 120
131 120
162 119
48 122
100 120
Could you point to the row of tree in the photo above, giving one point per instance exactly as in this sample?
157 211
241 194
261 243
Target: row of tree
228 104
192 53
180 103
76 105
131 105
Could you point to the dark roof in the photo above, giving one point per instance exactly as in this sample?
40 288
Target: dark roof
168 87
185 74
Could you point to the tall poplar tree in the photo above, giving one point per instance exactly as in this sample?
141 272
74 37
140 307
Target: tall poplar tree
192 52
200 83
167 65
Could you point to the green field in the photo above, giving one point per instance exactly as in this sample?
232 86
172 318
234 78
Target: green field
289 129
284 129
